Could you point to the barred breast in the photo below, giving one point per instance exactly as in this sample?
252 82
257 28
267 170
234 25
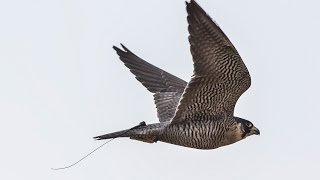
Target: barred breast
196 134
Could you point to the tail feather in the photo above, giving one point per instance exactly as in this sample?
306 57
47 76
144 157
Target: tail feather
123 133
141 132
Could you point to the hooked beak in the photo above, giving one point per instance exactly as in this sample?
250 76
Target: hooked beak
255 130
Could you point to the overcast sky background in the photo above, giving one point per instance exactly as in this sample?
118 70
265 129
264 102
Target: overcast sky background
61 83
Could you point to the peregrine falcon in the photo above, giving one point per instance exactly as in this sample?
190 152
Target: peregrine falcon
198 114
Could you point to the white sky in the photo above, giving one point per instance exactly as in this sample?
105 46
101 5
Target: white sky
61 83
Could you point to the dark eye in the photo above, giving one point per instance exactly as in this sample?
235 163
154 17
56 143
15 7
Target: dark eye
248 124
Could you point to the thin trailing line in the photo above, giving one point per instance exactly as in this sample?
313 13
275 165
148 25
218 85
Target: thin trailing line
66 167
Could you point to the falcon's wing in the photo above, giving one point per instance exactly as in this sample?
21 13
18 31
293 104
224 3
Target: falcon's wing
166 87
220 76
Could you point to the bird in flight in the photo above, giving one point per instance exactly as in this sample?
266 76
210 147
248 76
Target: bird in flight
198 114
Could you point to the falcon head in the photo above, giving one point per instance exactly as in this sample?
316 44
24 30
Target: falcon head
247 128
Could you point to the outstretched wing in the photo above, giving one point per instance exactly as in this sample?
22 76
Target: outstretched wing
220 76
166 87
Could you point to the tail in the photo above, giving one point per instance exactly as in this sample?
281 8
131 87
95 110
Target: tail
141 132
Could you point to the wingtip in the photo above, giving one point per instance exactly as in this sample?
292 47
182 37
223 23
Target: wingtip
116 48
191 2
194 6
125 49
122 46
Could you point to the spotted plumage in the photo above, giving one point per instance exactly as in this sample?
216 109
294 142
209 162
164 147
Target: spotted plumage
198 114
